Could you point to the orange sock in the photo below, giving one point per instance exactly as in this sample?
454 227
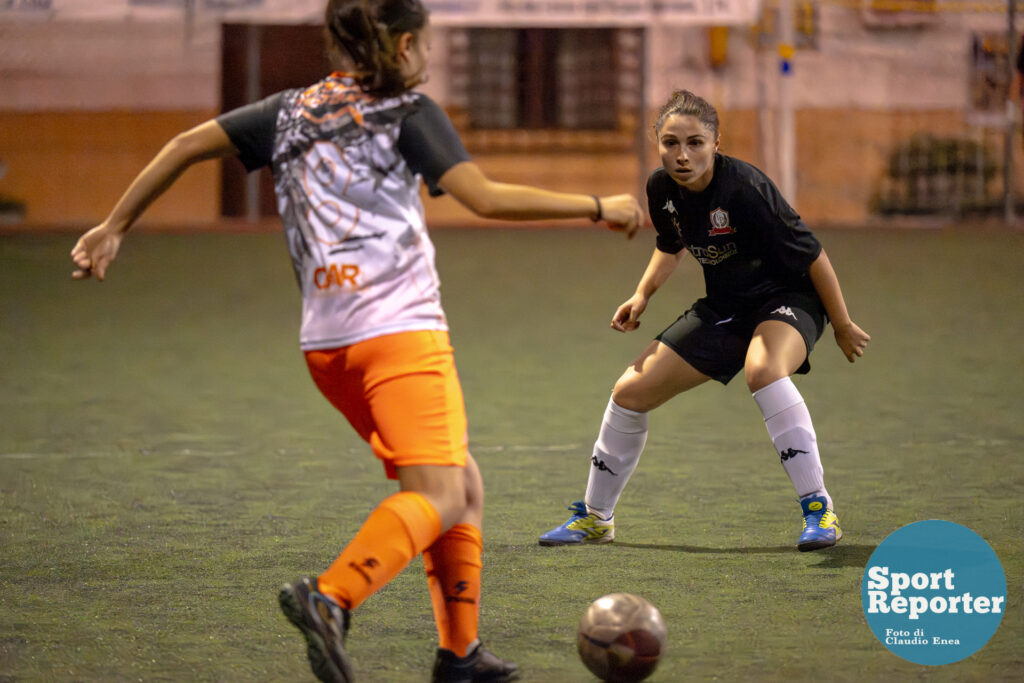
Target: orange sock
453 575
399 529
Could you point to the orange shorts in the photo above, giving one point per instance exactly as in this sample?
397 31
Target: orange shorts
402 395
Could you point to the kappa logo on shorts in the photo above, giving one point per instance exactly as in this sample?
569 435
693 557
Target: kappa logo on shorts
784 310
720 223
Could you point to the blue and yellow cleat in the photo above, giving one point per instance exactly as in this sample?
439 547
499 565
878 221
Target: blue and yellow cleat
821 526
582 527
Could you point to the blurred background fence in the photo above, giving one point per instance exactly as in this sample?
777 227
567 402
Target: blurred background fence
861 109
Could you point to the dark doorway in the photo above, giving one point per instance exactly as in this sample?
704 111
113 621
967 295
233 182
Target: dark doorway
257 61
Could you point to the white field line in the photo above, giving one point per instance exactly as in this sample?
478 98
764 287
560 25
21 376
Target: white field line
521 447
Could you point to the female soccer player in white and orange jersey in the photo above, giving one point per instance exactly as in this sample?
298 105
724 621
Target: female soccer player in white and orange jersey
771 290
347 154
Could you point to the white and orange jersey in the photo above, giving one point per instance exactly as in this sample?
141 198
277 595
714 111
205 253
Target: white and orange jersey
346 172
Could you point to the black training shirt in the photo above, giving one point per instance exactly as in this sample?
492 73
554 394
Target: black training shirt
750 243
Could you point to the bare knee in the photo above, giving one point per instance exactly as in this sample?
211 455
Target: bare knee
445 488
628 395
656 376
450 505
474 489
464 504
760 376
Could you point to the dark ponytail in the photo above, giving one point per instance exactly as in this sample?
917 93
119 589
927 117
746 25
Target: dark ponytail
367 31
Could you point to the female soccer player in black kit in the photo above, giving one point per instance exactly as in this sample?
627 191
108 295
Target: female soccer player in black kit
770 291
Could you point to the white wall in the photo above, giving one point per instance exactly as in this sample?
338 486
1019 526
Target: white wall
160 65
853 66
99 65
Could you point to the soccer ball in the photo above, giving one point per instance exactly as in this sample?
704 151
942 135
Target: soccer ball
621 638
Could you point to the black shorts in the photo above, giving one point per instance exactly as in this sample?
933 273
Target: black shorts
717 346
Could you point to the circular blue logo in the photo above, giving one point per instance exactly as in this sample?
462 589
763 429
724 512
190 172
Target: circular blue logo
934 592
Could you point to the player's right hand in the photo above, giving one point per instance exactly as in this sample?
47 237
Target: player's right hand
94 251
627 316
622 213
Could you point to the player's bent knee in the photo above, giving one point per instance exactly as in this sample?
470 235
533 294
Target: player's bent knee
445 487
623 394
632 397
474 487
760 377
451 507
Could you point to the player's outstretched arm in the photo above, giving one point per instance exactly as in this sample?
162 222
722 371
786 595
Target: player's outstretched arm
851 339
489 199
95 250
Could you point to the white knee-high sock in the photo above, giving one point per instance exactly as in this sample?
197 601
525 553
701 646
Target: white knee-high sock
616 453
789 426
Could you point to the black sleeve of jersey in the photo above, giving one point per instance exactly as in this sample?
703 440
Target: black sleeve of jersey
251 129
663 213
788 237
429 144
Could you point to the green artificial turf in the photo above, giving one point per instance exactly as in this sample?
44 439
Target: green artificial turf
166 463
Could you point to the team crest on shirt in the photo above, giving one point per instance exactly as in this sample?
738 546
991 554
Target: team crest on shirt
720 223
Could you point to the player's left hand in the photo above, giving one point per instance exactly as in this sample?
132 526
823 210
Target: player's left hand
94 251
852 340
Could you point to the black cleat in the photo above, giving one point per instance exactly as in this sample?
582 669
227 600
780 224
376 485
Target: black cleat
324 623
479 666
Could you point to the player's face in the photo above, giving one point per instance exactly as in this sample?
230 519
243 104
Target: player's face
414 49
687 149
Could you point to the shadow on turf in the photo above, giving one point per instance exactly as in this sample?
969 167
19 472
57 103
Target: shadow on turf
832 558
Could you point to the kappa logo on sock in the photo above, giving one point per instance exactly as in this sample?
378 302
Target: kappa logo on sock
790 453
599 464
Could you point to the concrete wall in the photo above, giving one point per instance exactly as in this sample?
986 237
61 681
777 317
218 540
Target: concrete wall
70 167
85 104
